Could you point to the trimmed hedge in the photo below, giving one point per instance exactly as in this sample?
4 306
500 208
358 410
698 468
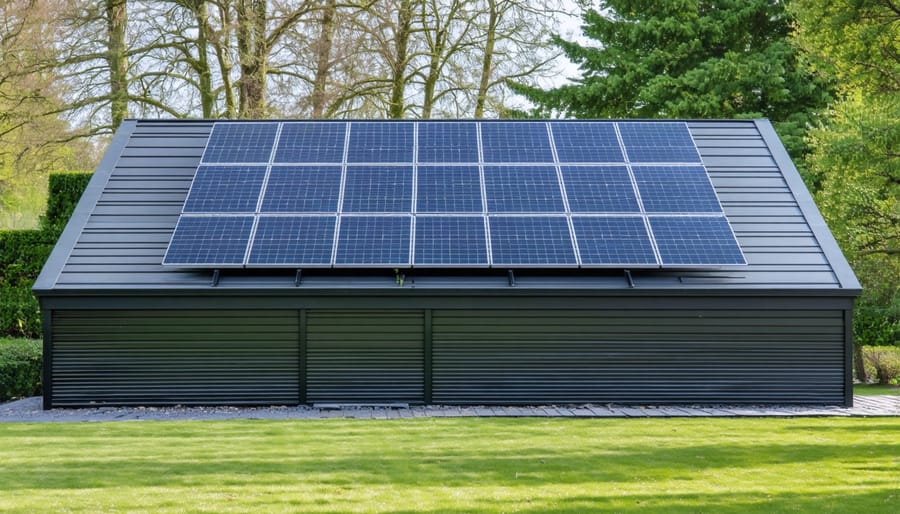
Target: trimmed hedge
24 252
20 369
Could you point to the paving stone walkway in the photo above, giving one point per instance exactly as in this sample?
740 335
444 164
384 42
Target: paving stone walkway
29 410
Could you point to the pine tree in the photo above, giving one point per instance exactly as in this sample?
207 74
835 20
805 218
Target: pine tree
683 58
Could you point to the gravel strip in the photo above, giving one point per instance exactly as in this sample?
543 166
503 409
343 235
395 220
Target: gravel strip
29 410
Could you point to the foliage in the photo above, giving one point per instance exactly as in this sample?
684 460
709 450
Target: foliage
674 58
884 362
24 252
485 465
20 368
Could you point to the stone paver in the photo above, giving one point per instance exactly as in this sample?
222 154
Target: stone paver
29 409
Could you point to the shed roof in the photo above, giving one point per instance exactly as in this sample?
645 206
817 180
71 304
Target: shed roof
115 241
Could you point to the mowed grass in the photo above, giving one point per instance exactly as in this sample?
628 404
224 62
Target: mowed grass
454 465
876 390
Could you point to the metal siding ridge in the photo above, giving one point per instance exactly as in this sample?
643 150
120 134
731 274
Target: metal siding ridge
839 265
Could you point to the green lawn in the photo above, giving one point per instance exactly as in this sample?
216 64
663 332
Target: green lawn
454 465
875 389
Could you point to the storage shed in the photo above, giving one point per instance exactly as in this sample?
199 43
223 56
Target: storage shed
122 328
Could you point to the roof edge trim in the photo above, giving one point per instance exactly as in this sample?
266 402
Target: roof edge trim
60 255
839 265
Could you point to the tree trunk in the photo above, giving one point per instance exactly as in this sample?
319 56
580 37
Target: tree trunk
398 68
486 62
323 58
117 20
207 97
859 363
251 40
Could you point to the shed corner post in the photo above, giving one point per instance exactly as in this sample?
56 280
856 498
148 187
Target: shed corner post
427 393
47 357
848 356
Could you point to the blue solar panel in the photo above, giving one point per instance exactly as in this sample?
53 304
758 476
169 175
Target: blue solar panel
512 142
443 142
381 142
240 143
302 189
586 142
374 240
448 189
378 189
599 189
613 240
658 142
675 189
311 142
695 240
452 241
293 240
209 240
225 189
522 189
531 241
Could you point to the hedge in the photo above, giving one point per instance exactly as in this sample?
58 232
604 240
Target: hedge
24 252
20 369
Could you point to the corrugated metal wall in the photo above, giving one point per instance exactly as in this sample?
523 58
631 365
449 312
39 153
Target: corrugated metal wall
365 356
666 356
175 357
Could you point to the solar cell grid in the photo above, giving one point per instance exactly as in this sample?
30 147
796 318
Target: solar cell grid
302 189
448 240
448 189
293 240
695 240
311 143
594 189
378 189
374 240
531 240
522 189
380 142
240 142
675 189
586 142
226 189
512 142
613 240
443 142
209 241
658 142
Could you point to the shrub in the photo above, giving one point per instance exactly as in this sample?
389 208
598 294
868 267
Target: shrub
884 361
20 368
64 191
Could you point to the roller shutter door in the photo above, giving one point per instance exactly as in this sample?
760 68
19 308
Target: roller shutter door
666 356
364 356
175 357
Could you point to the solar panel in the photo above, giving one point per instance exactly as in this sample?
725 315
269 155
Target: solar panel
695 240
378 189
658 142
586 142
225 189
380 142
309 142
676 189
513 142
374 240
209 241
294 189
531 241
240 142
452 194
613 240
522 189
444 142
300 241
448 189
450 241
599 189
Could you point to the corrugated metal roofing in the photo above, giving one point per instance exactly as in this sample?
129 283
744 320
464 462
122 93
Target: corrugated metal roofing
116 239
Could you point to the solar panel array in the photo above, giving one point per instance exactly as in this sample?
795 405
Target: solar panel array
510 194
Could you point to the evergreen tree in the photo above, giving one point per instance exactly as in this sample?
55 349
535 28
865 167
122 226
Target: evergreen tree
688 58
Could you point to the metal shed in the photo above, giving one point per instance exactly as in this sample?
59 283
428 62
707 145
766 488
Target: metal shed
120 328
